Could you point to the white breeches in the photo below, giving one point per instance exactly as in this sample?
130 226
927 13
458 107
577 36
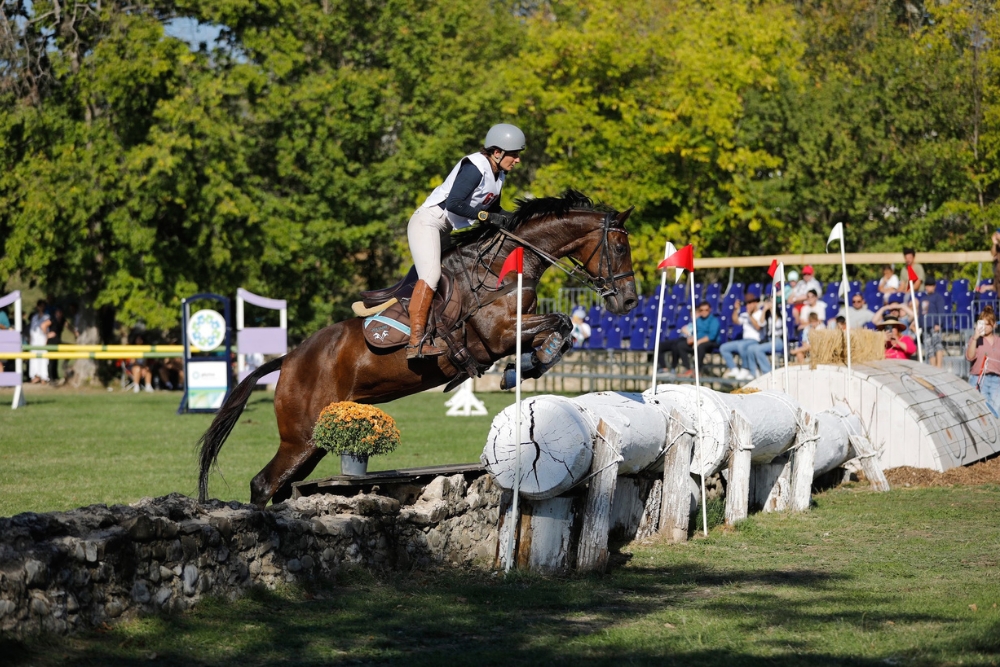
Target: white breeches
424 234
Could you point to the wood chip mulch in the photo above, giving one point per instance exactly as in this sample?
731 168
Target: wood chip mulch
984 472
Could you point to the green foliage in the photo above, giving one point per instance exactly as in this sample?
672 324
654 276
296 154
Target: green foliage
355 429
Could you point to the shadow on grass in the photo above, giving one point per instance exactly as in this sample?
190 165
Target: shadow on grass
685 615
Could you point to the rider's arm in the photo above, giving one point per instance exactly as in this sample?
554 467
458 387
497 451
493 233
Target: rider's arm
466 182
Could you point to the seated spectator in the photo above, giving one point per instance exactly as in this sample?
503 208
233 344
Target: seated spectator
841 322
761 351
813 323
802 287
139 369
680 349
908 256
889 284
897 346
811 305
581 330
171 374
752 321
859 314
893 311
932 314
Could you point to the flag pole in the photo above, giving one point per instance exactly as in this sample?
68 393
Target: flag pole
847 301
697 389
512 535
784 325
916 323
774 333
668 250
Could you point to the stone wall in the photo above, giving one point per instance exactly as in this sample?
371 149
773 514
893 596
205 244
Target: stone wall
66 571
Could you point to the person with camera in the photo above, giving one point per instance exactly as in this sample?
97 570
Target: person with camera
983 350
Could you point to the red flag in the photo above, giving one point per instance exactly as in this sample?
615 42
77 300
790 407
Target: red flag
773 268
912 274
514 262
682 259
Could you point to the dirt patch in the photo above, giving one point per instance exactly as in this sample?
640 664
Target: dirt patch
984 472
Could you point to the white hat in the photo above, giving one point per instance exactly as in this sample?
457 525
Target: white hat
580 312
793 275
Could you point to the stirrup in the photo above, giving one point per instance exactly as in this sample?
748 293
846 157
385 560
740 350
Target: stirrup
424 349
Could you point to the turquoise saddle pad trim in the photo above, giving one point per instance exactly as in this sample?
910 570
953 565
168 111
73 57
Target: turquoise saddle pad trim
395 324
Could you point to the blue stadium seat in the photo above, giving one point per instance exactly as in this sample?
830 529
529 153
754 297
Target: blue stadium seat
613 341
593 315
596 340
735 290
897 298
755 288
637 341
832 288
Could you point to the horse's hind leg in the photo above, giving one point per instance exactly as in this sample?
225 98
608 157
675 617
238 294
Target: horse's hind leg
292 463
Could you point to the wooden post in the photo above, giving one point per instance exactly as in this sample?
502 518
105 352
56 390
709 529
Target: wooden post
505 531
675 504
650 518
803 463
769 484
593 550
740 450
869 462
550 531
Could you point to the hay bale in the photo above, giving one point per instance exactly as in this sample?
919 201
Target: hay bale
829 346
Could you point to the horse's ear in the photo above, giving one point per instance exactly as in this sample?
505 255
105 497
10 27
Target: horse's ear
623 216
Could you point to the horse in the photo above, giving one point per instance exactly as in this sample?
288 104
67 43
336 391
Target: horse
337 364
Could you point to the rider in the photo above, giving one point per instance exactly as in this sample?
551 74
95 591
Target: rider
469 196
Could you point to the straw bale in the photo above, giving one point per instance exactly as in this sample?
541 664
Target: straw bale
828 346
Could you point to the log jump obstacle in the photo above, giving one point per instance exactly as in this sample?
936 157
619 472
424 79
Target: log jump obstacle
618 465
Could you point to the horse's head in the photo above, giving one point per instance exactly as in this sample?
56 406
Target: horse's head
604 253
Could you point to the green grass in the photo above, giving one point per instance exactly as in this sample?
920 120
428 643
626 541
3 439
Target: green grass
68 449
862 579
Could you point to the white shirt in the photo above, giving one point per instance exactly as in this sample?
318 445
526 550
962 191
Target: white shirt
749 332
819 309
485 193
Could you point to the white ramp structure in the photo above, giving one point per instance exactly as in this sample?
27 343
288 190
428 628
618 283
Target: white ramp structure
913 414
259 341
10 341
464 403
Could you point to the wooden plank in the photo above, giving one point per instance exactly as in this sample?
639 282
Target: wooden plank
626 506
740 452
868 459
338 483
675 507
551 528
803 462
959 257
650 520
593 550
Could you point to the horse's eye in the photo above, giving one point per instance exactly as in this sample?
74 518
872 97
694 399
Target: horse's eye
619 249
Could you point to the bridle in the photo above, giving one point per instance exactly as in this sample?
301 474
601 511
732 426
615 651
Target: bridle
604 286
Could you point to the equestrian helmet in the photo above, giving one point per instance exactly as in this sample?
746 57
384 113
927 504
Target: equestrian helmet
506 137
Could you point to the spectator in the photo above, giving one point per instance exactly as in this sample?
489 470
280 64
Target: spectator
171 374
932 314
792 279
56 327
893 311
860 315
763 349
812 305
140 370
581 330
897 346
812 324
908 256
4 320
801 290
38 335
987 286
889 284
708 326
753 326
983 350
841 322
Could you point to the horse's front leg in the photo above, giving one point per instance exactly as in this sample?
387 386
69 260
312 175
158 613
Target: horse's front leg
549 338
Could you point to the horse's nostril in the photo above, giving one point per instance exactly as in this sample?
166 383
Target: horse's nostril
630 304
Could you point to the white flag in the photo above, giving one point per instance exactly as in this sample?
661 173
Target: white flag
669 250
836 235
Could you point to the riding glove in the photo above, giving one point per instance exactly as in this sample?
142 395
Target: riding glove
498 219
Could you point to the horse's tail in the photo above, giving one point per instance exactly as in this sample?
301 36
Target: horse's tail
225 420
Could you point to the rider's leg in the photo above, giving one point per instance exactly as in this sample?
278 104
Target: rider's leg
424 235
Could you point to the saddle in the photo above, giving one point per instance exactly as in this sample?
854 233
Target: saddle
388 323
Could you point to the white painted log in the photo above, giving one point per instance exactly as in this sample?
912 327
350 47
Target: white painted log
803 463
675 505
868 458
592 554
774 418
714 422
556 447
834 445
551 529
643 427
738 489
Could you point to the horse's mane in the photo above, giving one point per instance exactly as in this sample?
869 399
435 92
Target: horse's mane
531 208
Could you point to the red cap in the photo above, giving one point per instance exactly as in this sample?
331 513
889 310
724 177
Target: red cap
807 269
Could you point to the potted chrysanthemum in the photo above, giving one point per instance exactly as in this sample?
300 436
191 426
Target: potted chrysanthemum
356 432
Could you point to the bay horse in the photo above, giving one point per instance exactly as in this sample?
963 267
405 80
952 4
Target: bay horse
337 364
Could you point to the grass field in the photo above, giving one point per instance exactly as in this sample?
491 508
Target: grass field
68 449
910 577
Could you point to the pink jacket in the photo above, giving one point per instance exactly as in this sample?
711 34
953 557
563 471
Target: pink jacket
909 349
988 353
